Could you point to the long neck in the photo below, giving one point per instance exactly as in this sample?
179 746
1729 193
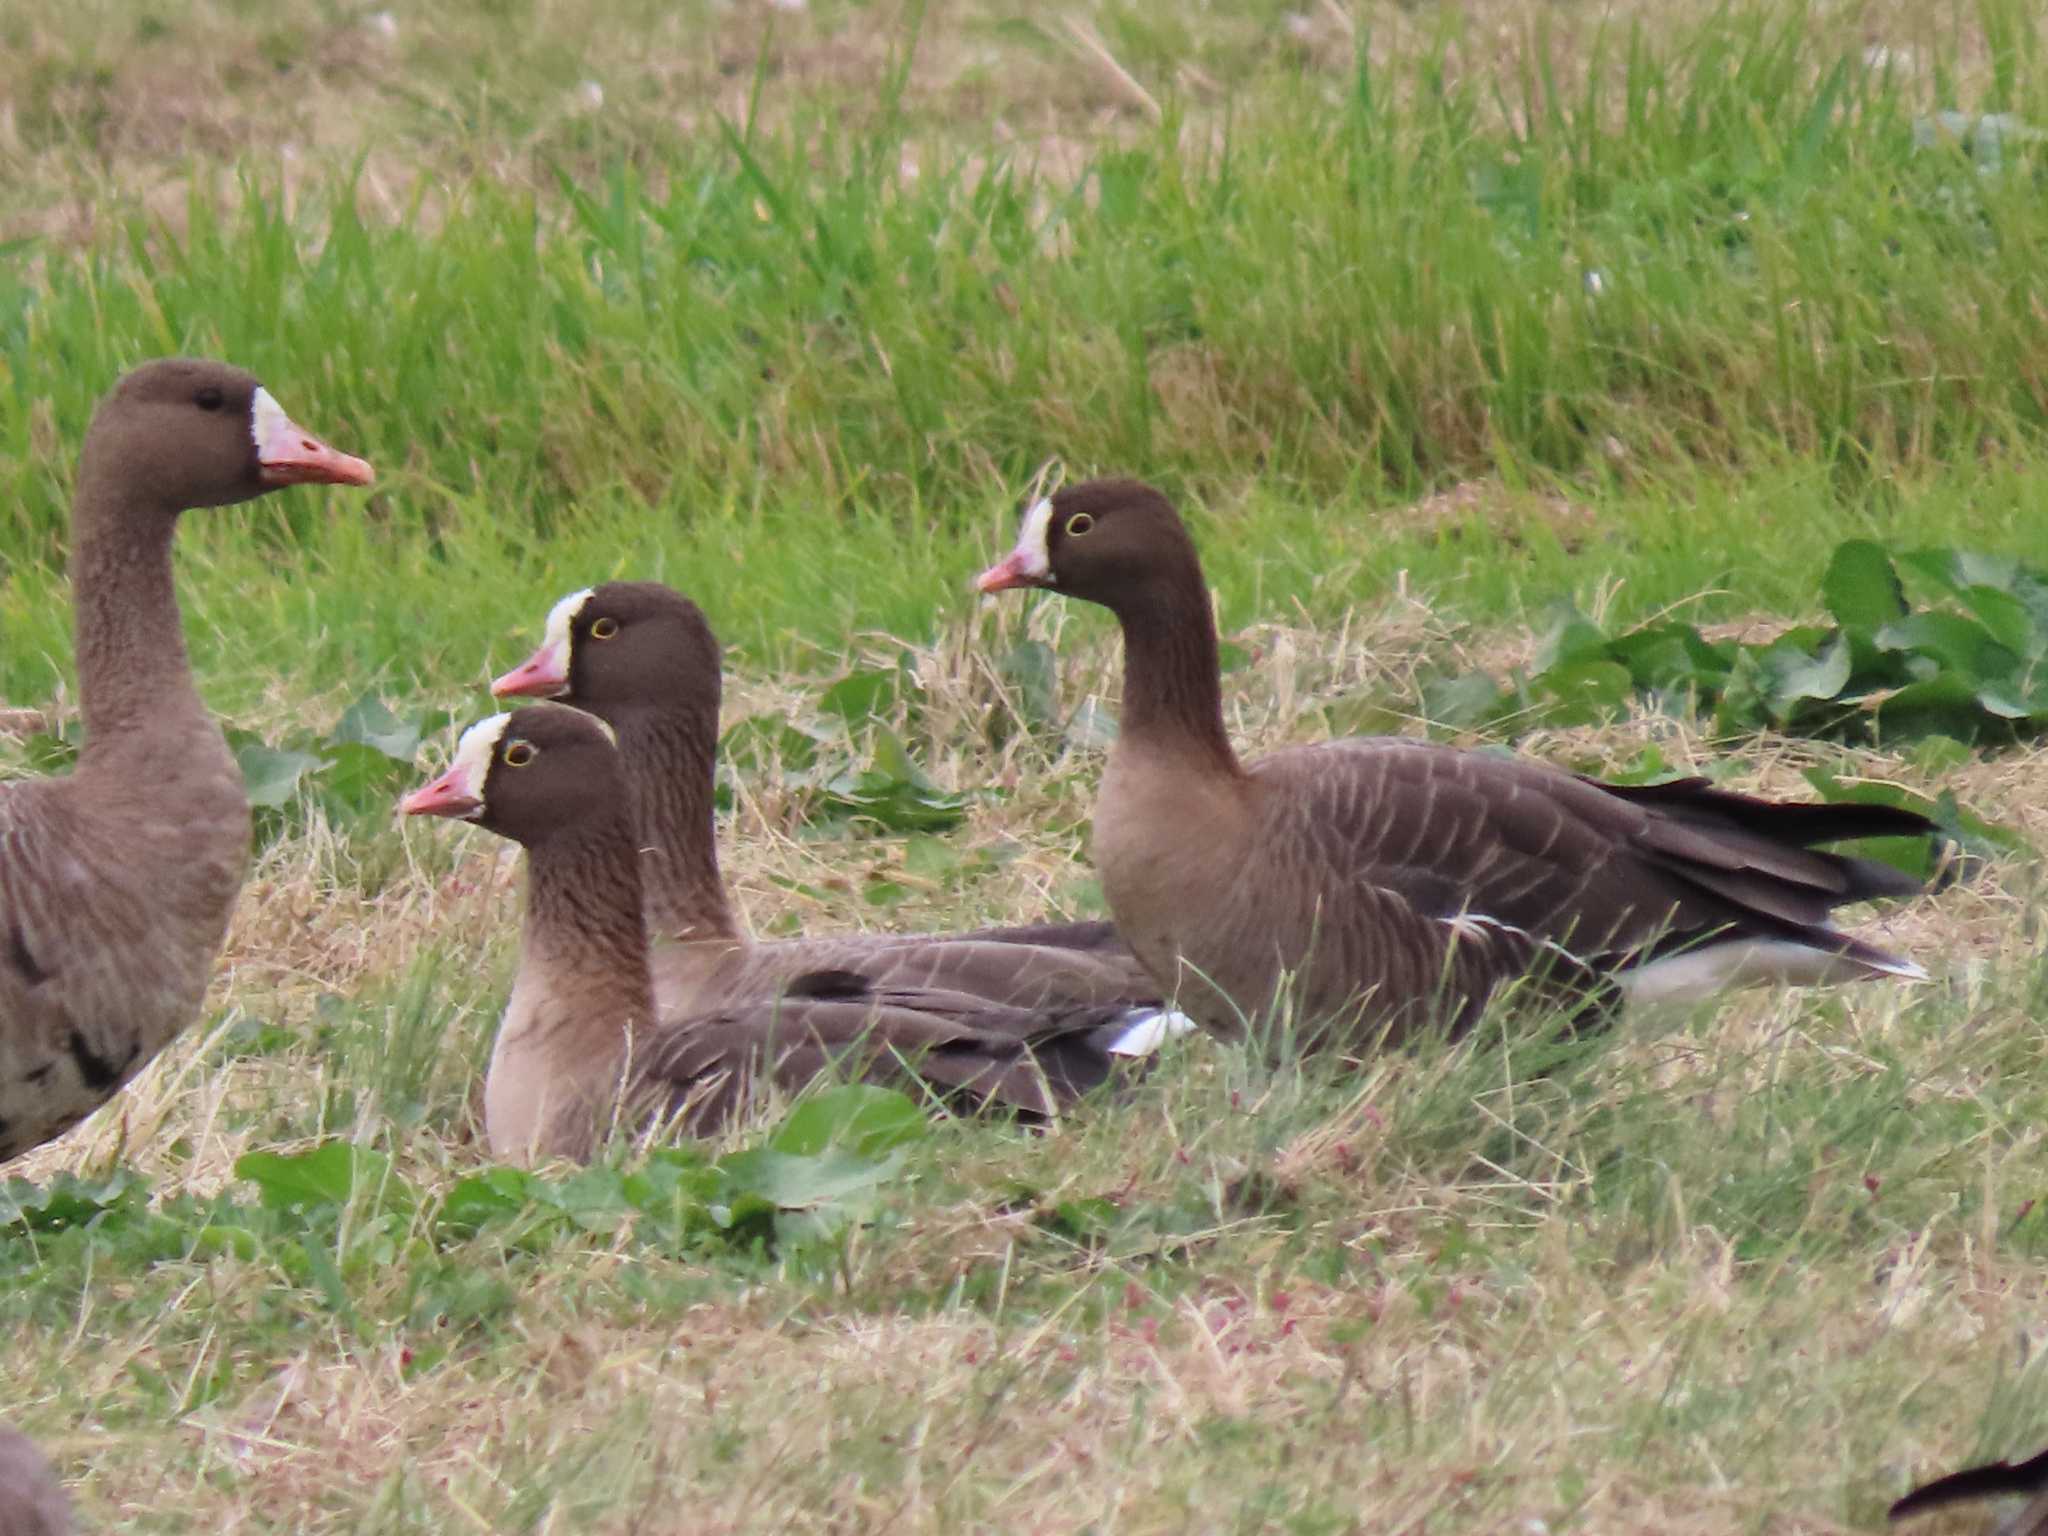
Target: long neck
131 644
1173 695
670 775
583 935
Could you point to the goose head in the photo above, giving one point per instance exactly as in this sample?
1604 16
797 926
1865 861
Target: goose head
621 646
188 432
528 775
1102 540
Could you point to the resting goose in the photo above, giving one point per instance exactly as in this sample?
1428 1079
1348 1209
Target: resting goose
642 658
32 1501
581 1033
1373 881
116 882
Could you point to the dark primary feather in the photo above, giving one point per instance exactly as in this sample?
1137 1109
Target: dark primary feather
1986 1482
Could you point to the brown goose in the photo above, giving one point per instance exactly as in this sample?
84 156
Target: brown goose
32 1501
581 1032
1994 1480
643 659
1374 880
116 883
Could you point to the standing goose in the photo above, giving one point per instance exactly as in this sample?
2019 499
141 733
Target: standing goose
642 658
32 1501
1373 881
581 1032
116 882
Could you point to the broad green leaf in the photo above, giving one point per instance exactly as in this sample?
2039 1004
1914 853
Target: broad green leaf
2004 702
363 779
326 1176
867 693
1570 637
1952 640
861 1117
1791 676
594 1198
69 1201
1586 691
1946 703
1862 588
497 1194
271 775
788 1182
1461 702
2007 620
369 722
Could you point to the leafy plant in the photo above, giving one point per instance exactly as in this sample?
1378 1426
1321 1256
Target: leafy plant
355 770
1967 666
846 763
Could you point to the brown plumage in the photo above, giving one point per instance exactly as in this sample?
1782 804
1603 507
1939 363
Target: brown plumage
1378 881
582 1038
116 882
642 658
32 1501
1994 1480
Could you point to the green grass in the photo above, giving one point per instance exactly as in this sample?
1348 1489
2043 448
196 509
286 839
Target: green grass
790 320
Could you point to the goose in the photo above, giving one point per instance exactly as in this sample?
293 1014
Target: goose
1373 882
582 1034
117 881
32 1501
643 658
1993 1480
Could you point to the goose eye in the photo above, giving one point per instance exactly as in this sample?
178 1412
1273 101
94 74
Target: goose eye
604 629
520 753
1079 524
208 399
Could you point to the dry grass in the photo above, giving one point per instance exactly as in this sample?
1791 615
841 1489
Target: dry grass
1360 1332
106 103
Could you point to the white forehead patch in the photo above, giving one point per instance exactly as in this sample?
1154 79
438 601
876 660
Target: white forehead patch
267 420
1031 555
472 763
560 617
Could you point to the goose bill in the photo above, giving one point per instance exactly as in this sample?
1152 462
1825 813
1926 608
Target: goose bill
452 794
543 675
287 454
1030 563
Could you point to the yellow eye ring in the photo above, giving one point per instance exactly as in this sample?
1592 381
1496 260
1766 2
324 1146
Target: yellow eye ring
604 628
1079 524
520 753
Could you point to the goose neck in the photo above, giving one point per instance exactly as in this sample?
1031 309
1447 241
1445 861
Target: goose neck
671 774
1173 692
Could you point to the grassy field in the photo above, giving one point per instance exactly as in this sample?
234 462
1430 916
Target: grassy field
1432 319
